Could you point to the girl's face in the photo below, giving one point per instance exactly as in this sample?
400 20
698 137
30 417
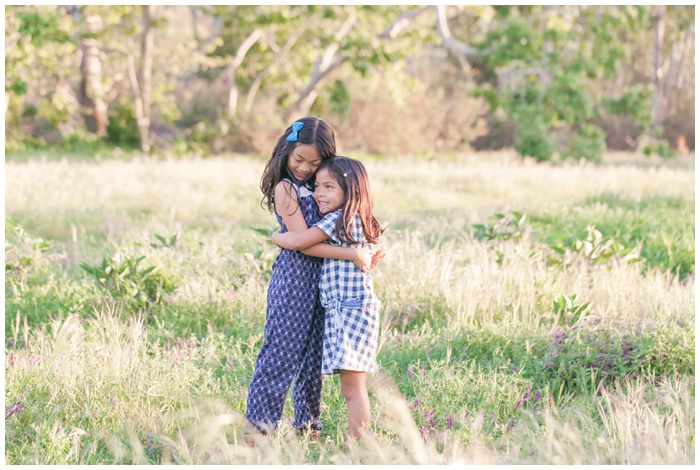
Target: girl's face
303 161
328 194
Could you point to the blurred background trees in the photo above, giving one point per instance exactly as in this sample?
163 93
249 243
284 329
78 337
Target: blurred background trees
553 82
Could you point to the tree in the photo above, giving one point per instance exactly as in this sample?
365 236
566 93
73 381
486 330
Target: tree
38 53
90 92
141 84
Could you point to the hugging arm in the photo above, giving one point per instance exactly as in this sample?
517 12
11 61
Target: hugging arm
287 206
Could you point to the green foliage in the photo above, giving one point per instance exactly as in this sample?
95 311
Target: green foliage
635 102
505 227
122 128
660 148
657 232
512 41
548 72
588 143
567 312
121 276
169 242
663 227
22 251
532 142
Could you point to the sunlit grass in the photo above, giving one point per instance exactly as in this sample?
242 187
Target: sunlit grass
469 325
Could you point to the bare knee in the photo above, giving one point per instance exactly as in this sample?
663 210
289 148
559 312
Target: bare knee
352 384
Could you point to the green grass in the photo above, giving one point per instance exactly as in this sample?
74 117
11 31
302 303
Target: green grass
559 332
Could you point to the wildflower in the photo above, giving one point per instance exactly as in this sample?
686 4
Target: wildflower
449 421
416 404
511 424
538 395
424 431
409 369
11 342
535 409
14 408
430 415
466 414
520 402
549 364
513 368
150 446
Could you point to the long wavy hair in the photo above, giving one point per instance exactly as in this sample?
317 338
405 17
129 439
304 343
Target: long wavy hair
352 178
315 132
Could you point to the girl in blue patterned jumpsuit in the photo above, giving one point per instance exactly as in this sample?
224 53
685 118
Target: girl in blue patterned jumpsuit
351 332
292 344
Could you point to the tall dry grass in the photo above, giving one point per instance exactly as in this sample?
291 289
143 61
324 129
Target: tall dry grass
467 325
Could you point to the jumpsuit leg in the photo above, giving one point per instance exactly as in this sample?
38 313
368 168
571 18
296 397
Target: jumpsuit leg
309 381
286 332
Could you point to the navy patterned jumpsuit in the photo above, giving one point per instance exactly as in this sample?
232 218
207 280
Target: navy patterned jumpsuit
293 342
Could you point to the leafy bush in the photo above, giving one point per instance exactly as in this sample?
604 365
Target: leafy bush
531 142
588 143
122 128
122 278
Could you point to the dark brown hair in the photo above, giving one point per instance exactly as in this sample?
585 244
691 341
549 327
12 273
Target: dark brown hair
353 180
315 132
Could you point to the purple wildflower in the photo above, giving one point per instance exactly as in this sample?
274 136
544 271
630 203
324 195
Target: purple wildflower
416 403
409 369
466 414
517 405
535 409
150 446
14 408
424 431
549 364
513 368
430 415
538 395
449 421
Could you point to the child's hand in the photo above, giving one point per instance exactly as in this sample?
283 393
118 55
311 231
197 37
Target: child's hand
363 258
376 258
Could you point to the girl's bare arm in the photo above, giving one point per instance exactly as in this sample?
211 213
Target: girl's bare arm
287 206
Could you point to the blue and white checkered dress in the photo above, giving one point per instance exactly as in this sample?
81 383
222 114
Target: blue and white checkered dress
351 333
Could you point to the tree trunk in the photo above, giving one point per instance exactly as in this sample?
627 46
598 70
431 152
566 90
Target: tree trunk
144 84
233 65
90 92
657 71
321 72
138 101
253 91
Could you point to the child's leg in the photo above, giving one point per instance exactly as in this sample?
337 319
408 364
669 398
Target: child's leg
354 389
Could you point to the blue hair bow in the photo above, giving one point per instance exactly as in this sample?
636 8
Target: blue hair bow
296 127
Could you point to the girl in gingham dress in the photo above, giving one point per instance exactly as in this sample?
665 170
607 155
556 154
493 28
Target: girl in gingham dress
292 344
352 310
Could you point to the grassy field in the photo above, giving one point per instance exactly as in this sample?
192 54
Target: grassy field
532 314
